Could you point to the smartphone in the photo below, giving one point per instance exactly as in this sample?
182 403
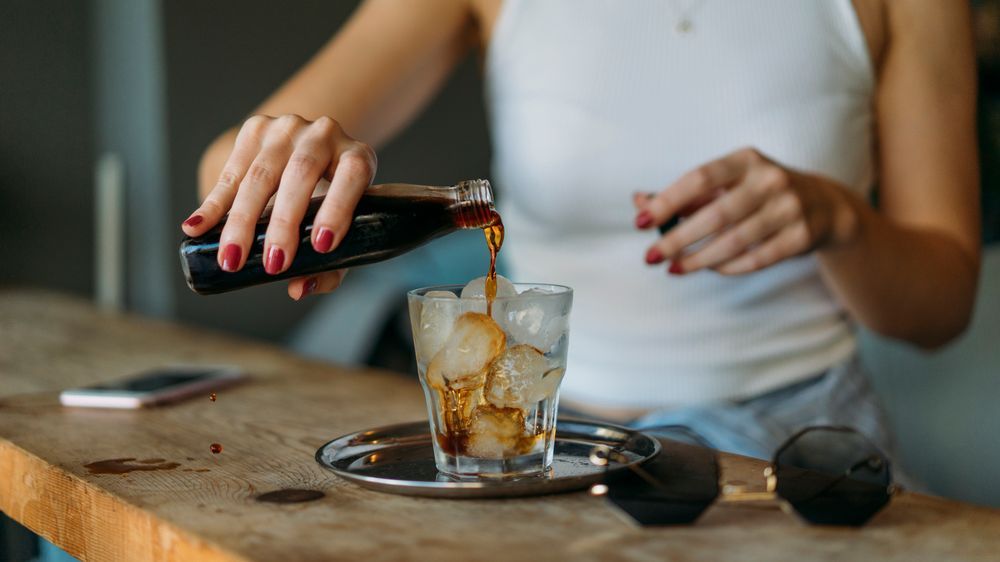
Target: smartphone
157 386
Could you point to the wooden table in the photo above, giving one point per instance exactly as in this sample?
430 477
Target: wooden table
205 508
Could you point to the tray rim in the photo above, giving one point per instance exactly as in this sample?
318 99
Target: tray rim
481 488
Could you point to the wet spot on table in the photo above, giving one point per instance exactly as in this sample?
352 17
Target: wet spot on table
290 495
129 464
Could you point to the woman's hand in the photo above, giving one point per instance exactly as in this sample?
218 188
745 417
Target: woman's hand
285 157
753 211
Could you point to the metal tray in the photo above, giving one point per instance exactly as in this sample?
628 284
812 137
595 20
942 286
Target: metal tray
400 459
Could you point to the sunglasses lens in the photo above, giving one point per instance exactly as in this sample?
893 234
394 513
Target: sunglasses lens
833 476
674 487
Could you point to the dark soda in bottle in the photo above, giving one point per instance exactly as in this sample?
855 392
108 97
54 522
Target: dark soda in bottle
390 220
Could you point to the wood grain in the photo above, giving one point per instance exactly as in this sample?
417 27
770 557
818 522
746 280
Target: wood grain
205 508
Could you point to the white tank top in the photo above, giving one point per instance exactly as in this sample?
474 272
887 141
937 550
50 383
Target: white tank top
591 100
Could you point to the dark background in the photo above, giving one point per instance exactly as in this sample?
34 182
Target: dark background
154 81
47 145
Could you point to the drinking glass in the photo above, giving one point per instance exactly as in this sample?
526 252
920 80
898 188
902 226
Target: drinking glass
491 381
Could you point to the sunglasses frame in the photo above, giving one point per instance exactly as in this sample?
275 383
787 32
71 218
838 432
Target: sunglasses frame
731 493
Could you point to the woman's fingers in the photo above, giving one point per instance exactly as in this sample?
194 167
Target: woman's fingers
256 189
774 215
726 210
305 168
353 174
644 219
788 242
704 181
287 158
319 283
254 192
221 198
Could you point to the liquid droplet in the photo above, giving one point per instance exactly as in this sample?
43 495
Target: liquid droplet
216 448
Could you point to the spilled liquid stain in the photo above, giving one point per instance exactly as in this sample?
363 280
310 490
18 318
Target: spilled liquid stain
126 465
290 495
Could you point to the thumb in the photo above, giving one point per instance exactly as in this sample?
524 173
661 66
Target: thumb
314 284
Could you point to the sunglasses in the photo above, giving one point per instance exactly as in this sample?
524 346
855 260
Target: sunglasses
828 475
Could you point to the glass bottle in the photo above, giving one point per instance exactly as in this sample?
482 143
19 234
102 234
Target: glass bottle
390 220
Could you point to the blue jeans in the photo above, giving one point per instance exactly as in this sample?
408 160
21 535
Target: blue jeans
757 426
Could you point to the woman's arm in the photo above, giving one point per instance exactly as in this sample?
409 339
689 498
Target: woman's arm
909 269
370 79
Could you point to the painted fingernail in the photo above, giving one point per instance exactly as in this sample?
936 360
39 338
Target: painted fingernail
644 220
324 240
676 268
231 257
275 260
194 220
654 256
310 286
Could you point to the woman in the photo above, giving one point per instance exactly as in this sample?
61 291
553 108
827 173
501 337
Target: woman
765 124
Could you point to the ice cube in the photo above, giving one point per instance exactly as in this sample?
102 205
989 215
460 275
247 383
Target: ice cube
538 322
495 433
514 378
474 292
436 319
475 341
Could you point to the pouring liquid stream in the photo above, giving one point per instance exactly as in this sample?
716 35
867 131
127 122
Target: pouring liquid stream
494 240
459 403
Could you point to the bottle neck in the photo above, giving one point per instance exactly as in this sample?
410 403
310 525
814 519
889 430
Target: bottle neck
473 204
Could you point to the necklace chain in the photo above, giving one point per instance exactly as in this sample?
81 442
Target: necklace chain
685 15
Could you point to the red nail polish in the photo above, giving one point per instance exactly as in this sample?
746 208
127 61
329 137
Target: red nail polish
644 220
194 220
324 240
676 268
310 286
231 257
654 256
275 260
